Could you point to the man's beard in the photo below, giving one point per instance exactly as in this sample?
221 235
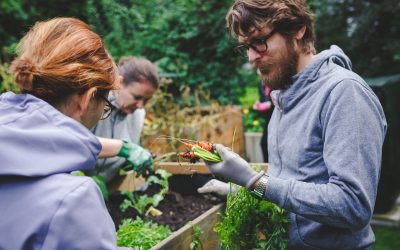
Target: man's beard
285 68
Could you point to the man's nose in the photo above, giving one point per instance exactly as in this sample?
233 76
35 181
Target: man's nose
253 55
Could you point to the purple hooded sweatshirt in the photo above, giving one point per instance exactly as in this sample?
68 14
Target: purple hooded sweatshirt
42 205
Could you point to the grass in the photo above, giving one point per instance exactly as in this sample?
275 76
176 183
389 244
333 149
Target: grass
386 238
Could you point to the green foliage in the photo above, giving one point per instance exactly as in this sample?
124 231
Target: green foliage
138 202
250 96
253 121
162 180
138 234
249 223
99 180
188 41
141 202
367 30
17 16
6 80
186 38
386 238
196 242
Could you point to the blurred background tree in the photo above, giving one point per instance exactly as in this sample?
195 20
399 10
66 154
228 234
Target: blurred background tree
367 30
17 16
188 40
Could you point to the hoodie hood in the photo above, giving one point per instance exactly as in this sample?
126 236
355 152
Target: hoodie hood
38 140
304 83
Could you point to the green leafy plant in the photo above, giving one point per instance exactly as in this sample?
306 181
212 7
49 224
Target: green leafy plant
100 181
141 202
249 223
6 80
167 32
138 202
196 242
253 120
139 234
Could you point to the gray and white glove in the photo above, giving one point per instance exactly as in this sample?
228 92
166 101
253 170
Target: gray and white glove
233 168
217 187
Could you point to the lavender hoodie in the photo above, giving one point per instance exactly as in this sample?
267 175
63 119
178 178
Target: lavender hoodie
42 206
325 148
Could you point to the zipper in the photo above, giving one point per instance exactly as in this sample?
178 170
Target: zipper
277 141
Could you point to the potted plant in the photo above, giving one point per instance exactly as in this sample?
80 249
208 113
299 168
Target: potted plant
253 126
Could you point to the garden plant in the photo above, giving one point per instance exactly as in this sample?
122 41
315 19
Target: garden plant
238 231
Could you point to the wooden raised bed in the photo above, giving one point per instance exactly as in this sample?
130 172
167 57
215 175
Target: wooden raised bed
183 237
223 124
130 181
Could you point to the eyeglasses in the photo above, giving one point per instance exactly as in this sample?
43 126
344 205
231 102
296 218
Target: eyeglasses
108 109
257 44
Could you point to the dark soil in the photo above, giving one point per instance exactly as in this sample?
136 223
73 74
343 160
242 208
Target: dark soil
181 205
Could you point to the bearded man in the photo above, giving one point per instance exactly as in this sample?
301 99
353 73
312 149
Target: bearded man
326 133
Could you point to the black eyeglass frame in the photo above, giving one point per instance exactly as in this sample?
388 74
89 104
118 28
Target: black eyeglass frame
108 109
243 48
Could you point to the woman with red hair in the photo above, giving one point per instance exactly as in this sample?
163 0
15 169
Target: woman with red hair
65 74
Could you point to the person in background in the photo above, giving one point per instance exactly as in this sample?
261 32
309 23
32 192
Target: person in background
65 74
265 106
120 134
325 136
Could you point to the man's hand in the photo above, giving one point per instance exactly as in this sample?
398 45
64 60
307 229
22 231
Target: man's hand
140 158
217 187
233 168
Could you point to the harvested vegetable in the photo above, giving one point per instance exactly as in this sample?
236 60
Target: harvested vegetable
200 150
205 154
197 150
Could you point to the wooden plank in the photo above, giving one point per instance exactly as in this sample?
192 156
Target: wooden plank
125 183
130 181
222 124
181 239
186 168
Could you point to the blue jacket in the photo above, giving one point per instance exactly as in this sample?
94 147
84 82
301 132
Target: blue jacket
325 147
42 206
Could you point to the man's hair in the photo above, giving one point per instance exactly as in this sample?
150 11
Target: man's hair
62 57
286 16
138 69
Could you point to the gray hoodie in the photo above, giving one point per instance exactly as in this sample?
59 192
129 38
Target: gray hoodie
42 206
118 126
325 147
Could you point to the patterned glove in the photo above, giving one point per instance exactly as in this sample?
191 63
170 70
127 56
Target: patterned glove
139 158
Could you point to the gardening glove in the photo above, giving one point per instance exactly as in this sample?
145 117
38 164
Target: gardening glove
233 168
140 158
217 187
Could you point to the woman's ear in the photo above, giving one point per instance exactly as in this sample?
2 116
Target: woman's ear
84 100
